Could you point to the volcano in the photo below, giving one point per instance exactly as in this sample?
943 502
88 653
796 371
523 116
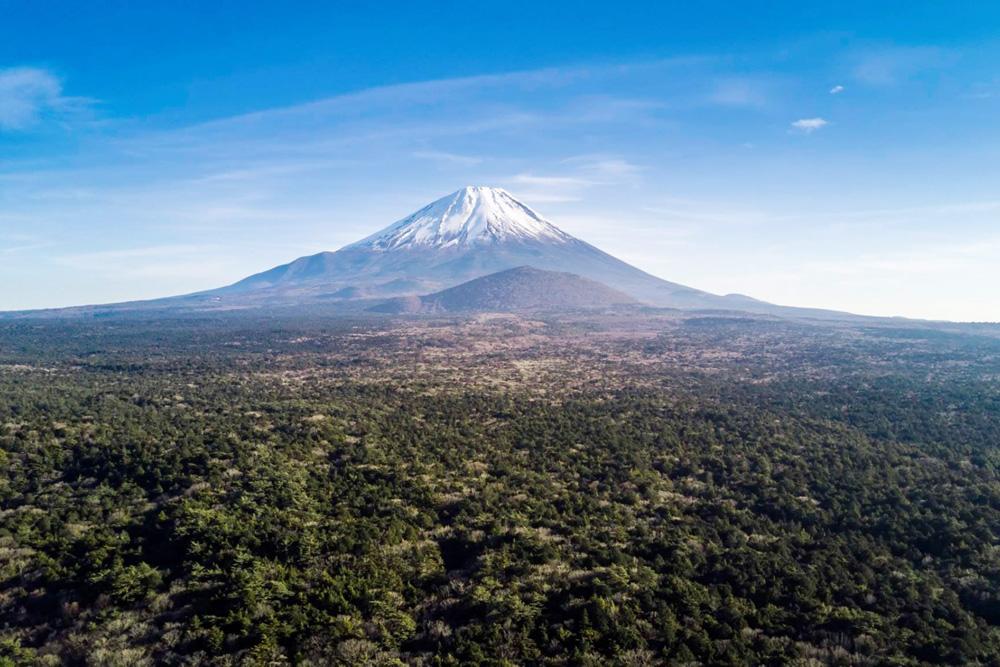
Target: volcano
468 234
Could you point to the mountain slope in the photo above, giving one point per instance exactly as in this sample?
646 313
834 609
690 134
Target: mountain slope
521 288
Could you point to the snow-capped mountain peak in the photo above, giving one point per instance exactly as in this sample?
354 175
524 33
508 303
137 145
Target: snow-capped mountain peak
471 233
472 216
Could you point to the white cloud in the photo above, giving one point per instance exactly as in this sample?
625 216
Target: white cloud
28 95
836 90
809 125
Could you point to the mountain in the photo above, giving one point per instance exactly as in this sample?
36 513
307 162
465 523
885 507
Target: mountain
521 288
467 234
471 233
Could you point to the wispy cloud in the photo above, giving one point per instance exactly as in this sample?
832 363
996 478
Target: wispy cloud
561 181
604 166
809 125
142 252
985 90
573 176
410 117
891 65
837 90
411 97
934 256
448 158
29 95
696 215
740 92
539 188
15 243
269 169
170 261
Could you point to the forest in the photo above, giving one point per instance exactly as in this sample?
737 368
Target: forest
653 488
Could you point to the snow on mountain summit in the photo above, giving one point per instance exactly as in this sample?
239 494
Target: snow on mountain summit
474 215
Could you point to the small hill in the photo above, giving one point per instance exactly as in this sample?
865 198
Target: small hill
521 288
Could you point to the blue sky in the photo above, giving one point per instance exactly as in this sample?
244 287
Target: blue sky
841 155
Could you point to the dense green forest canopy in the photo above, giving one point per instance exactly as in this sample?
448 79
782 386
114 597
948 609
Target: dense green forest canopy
644 489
